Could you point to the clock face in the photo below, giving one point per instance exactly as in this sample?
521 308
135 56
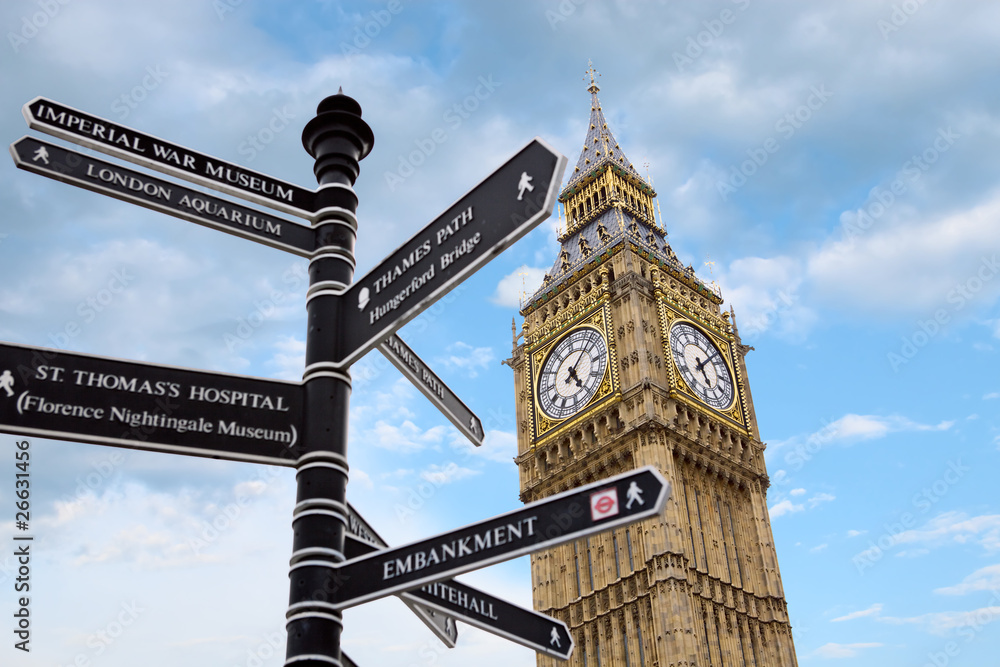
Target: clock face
572 373
701 365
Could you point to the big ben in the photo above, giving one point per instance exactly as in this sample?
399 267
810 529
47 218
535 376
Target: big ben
626 358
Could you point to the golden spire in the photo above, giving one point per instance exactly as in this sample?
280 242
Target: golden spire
593 88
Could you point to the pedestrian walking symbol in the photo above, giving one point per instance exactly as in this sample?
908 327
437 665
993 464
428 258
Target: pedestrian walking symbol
555 638
525 184
6 382
634 495
42 154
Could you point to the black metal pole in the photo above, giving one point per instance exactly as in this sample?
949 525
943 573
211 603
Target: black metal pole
338 139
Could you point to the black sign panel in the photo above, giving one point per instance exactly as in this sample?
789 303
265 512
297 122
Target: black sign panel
42 157
123 142
86 398
523 626
567 516
508 204
431 386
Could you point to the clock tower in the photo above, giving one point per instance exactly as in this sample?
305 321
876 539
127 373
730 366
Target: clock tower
626 359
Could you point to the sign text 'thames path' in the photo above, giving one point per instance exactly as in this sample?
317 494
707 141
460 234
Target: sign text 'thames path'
505 206
86 398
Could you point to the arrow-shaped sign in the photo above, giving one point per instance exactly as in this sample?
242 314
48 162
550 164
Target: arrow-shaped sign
524 626
431 386
47 159
567 516
126 143
361 539
105 401
505 206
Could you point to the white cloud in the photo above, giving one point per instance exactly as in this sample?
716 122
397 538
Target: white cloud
407 437
834 650
784 507
849 429
992 395
984 579
362 478
819 547
796 492
855 533
438 474
471 360
955 527
764 295
498 446
517 286
870 611
946 622
916 263
820 498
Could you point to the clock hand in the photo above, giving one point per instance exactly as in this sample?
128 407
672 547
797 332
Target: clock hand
702 364
572 374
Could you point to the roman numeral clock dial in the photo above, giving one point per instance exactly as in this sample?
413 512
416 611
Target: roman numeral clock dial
572 373
701 365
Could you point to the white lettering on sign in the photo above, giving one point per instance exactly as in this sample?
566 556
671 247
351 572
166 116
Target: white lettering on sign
256 433
107 135
463 248
28 403
216 209
408 263
165 154
247 181
459 598
121 383
459 548
461 220
155 420
405 293
129 181
243 399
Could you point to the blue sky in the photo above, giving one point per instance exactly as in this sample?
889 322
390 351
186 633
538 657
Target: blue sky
832 167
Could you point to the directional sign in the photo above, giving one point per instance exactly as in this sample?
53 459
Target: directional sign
508 204
361 539
105 401
431 386
123 142
523 626
42 157
567 516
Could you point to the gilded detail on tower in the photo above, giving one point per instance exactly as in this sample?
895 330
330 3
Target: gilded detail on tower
626 359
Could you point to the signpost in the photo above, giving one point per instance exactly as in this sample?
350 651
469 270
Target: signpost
505 206
47 159
566 516
337 560
457 600
104 401
431 386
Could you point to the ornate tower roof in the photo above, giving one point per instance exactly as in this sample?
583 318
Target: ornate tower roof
607 204
600 146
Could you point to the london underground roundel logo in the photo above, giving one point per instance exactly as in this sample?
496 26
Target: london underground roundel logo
604 504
